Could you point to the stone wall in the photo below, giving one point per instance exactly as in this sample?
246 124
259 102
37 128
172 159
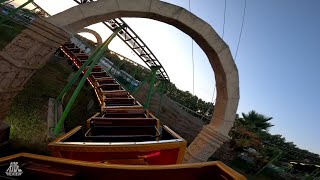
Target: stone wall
26 53
170 114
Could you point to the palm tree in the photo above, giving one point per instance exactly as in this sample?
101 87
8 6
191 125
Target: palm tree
255 122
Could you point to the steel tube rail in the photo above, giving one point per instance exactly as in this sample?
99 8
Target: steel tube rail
96 58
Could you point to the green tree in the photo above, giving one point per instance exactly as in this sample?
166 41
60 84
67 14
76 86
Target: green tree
255 122
204 109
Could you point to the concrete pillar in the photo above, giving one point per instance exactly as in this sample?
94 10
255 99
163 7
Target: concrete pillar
26 53
204 145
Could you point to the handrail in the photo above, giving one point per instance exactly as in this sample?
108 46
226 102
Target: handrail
94 58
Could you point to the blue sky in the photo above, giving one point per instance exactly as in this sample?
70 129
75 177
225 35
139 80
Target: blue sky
278 61
278 58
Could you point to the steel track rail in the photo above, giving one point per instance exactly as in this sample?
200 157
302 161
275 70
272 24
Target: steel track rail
135 43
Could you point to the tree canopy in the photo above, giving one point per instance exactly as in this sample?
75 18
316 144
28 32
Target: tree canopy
251 131
202 109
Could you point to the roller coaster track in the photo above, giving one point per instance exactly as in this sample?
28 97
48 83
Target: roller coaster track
122 133
122 119
107 89
135 43
131 39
